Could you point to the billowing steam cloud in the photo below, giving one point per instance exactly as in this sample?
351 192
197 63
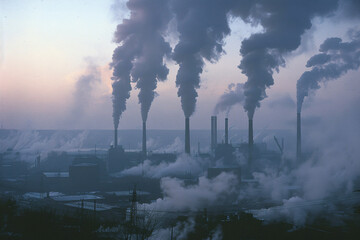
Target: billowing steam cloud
202 26
183 165
140 54
284 22
335 59
233 95
208 192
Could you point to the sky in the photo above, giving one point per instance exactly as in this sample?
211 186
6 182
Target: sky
47 46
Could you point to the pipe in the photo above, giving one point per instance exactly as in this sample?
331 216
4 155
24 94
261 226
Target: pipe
187 135
144 139
226 131
298 136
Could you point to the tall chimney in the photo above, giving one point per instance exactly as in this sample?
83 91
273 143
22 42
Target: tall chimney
187 135
251 140
115 138
213 132
226 131
298 137
144 139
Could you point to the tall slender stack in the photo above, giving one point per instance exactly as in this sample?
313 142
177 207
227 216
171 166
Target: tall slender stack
187 135
144 139
298 136
226 131
213 132
115 138
251 140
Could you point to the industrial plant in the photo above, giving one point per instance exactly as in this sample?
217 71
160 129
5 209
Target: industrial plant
174 119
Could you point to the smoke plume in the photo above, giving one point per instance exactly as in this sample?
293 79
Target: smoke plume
202 26
140 54
208 192
152 20
335 59
184 165
233 95
284 22
83 88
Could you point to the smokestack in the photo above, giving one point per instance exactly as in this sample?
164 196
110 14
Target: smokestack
213 132
144 139
187 135
226 131
298 137
251 140
115 138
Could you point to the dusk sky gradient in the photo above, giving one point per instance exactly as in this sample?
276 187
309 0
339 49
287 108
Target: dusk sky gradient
45 47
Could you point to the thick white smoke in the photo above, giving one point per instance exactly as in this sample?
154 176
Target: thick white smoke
208 192
183 166
336 58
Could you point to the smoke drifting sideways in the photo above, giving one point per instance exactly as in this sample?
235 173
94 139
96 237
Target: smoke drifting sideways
284 23
184 165
232 96
140 54
31 143
208 192
202 26
334 60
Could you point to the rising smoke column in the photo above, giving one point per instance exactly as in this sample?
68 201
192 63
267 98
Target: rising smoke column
149 66
140 54
284 22
202 26
233 95
335 59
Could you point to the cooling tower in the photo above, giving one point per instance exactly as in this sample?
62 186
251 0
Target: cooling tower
187 135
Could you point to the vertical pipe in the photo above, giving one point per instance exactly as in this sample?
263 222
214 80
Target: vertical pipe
187 135
251 140
226 131
144 139
115 138
298 137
